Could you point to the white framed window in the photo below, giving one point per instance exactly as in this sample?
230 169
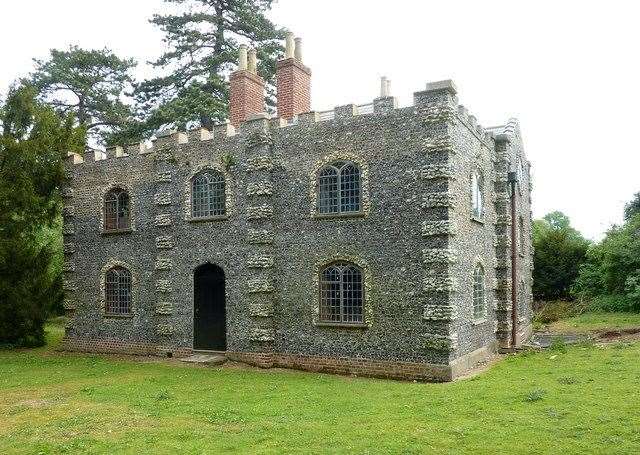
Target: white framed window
339 188
208 194
477 197
479 298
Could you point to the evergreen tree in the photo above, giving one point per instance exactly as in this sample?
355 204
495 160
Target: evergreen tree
90 84
34 141
203 40
632 207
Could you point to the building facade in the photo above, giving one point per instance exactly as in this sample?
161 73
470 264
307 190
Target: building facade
372 240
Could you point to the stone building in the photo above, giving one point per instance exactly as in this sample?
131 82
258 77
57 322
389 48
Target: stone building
369 239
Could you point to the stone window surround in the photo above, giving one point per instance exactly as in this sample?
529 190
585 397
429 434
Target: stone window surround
367 311
228 193
103 193
111 263
365 202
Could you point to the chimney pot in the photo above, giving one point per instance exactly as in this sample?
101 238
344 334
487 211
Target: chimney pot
289 46
298 49
242 58
384 87
253 61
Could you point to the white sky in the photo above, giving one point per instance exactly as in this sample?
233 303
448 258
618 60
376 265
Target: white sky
567 69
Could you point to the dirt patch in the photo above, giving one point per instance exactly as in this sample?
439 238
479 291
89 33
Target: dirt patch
614 334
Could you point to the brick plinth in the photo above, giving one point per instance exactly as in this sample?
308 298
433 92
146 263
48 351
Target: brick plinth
246 96
294 88
115 346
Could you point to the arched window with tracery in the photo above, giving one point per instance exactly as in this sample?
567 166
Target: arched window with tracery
340 189
479 299
117 216
341 294
208 194
117 291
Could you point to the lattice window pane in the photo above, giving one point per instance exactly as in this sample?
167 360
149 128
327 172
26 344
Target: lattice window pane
350 189
118 291
478 293
328 197
208 195
116 210
341 294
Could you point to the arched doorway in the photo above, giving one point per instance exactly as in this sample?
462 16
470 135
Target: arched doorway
209 315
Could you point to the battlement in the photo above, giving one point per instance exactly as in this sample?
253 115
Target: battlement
438 102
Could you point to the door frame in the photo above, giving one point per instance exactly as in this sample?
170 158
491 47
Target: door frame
193 304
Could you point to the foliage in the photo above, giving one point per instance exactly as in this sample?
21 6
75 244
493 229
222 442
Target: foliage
33 143
556 310
203 37
559 250
613 268
91 84
632 207
114 405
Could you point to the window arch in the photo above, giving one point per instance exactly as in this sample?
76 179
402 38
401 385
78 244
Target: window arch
341 293
117 208
479 299
208 197
117 290
340 189
477 197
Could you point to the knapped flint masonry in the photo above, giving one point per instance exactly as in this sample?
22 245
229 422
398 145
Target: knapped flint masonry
370 239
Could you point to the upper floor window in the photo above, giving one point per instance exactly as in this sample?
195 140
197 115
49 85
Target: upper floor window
341 293
117 210
479 306
117 291
208 194
339 188
477 198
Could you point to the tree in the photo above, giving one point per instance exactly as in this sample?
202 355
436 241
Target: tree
91 84
34 140
203 45
559 250
632 207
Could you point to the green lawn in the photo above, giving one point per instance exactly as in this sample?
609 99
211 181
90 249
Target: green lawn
596 322
586 400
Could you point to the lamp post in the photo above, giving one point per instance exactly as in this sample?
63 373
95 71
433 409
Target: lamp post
512 179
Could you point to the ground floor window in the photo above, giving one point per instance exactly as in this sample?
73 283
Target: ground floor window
117 291
341 293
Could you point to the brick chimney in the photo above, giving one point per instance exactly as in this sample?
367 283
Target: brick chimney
246 94
293 81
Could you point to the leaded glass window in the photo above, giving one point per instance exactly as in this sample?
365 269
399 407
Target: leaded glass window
479 306
116 210
341 294
339 188
477 200
117 291
208 195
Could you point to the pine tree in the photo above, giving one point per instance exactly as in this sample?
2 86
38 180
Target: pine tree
91 84
203 40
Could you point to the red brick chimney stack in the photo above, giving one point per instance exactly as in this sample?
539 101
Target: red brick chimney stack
246 94
293 81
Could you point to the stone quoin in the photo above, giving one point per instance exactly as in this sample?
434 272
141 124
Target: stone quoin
370 239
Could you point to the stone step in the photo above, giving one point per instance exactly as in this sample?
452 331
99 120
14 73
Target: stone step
207 359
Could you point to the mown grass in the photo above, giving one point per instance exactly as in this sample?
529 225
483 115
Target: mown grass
596 322
583 401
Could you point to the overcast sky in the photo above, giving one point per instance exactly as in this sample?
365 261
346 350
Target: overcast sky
568 70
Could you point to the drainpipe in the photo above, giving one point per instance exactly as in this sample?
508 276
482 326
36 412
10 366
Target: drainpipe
512 179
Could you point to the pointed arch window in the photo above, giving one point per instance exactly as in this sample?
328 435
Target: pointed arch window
208 197
479 298
117 291
341 294
117 215
340 188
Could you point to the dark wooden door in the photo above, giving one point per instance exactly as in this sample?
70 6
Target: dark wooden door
209 315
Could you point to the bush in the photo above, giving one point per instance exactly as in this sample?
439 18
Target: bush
548 312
